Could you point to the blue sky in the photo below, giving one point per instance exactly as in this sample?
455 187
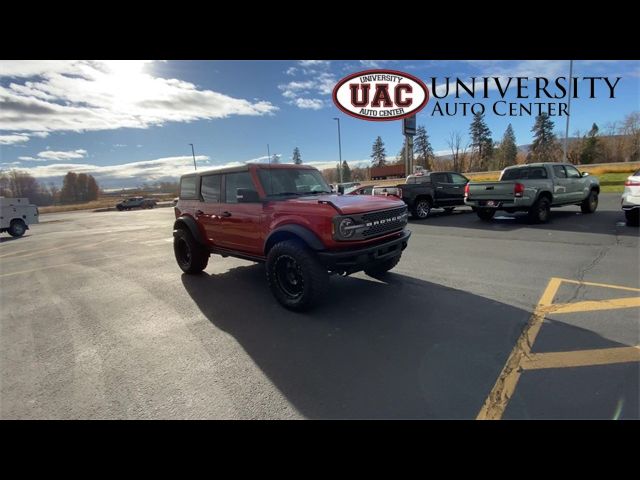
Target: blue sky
129 122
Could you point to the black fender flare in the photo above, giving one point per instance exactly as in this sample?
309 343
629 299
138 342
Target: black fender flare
192 226
310 238
545 193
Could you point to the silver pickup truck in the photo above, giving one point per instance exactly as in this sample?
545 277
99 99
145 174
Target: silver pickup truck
534 188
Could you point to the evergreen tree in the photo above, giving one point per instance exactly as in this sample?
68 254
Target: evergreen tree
378 153
545 146
481 142
297 158
590 147
346 172
400 156
508 150
422 149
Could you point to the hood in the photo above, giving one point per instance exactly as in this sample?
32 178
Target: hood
353 204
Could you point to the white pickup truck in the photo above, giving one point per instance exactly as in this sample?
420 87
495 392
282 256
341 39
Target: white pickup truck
16 214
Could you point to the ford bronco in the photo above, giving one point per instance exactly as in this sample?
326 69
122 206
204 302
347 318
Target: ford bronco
286 217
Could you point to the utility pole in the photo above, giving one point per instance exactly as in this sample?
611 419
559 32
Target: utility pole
339 149
566 132
194 157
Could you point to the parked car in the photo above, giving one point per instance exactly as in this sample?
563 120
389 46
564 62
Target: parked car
534 189
136 202
376 190
431 190
16 214
285 216
631 199
346 188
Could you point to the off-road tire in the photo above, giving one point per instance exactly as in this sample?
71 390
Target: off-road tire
540 211
381 268
633 217
590 203
17 228
422 208
485 214
191 256
306 282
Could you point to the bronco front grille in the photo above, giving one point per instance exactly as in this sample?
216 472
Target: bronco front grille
385 221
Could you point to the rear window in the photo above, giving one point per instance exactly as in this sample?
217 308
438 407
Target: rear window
188 187
532 173
637 174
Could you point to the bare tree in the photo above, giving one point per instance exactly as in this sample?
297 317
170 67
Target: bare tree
458 151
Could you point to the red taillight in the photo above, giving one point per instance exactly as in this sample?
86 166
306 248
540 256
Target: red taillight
518 189
632 183
466 190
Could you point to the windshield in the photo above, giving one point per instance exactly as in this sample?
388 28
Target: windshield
292 181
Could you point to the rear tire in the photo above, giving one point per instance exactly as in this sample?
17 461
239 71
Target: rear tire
17 228
633 217
485 214
295 276
540 211
381 268
590 203
192 257
422 208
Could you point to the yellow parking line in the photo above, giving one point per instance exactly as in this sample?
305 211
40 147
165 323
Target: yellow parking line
593 284
582 358
498 399
591 305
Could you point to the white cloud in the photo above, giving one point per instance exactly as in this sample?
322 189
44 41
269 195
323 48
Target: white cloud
314 63
60 155
30 159
119 145
309 103
90 96
13 139
370 63
291 71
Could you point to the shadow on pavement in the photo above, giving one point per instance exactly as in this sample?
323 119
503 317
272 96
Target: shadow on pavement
403 348
9 239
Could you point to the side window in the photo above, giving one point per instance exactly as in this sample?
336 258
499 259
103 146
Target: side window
188 187
439 177
537 173
572 172
367 191
457 178
559 172
210 188
234 181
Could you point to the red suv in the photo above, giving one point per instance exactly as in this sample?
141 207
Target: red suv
287 217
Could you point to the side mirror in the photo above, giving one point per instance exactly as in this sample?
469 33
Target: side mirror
585 174
341 189
247 195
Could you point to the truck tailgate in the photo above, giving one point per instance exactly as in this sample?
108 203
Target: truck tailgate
491 190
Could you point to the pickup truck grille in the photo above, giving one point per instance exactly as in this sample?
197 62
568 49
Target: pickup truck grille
385 221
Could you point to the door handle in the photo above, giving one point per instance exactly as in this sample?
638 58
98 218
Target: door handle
226 214
439 188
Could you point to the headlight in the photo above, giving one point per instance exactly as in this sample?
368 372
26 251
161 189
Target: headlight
345 227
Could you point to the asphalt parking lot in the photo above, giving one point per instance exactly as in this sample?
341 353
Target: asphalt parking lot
479 320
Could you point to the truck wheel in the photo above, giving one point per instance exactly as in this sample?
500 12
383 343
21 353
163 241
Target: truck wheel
17 228
295 276
590 203
190 255
485 214
422 208
633 217
378 269
540 211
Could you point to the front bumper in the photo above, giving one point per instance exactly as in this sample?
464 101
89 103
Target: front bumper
355 260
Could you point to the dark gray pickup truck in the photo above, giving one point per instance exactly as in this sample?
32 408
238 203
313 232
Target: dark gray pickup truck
445 190
534 189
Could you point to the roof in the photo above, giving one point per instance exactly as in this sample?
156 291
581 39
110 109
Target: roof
245 167
539 164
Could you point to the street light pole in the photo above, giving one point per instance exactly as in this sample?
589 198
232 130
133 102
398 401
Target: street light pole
339 149
566 132
194 157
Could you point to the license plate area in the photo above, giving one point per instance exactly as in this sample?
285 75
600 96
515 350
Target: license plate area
490 203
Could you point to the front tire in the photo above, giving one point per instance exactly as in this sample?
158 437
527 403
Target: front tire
17 228
590 203
192 257
485 214
540 211
295 276
422 208
633 217
381 268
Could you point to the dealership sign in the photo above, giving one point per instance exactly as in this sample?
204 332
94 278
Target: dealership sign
380 95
